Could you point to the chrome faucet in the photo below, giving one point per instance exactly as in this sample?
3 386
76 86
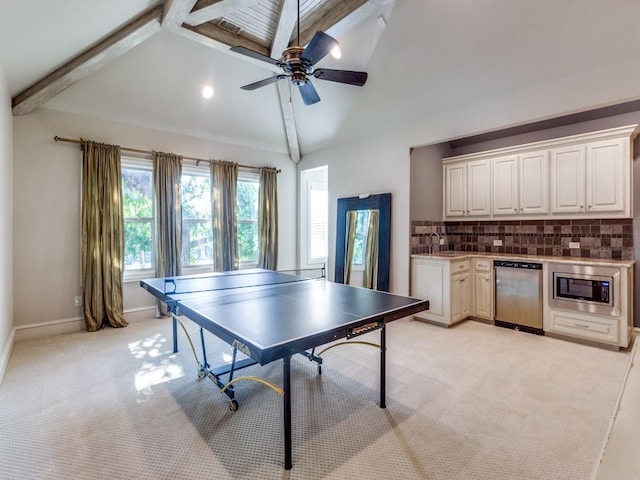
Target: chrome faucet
431 241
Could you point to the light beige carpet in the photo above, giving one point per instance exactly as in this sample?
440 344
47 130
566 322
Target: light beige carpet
470 402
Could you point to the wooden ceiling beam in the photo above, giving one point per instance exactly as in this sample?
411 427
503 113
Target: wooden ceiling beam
339 15
288 118
127 37
208 10
286 24
176 11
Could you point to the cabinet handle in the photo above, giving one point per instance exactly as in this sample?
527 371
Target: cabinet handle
515 210
581 326
589 207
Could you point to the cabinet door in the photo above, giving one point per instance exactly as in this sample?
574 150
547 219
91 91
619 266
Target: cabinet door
483 295
427 283
505 185
605 180
461 300
534 183
479 188
568 179
455 190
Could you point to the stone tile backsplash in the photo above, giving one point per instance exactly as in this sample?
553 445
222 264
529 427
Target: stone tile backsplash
599 238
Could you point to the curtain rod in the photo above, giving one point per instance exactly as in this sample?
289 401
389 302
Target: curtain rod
149 152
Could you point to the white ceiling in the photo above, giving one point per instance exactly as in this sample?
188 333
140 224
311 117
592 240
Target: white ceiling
434 56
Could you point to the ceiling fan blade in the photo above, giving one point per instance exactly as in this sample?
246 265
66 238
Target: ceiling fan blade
309 93
341 76
319 46
256 55
262 83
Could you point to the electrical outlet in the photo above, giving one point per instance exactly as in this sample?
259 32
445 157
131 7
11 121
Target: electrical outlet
497 243
78 301
442 241
574 244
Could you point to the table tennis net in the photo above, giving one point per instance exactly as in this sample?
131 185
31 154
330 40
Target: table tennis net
239 280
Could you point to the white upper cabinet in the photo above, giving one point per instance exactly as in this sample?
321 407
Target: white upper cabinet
567 179
586 175
520 184
607 176
467 189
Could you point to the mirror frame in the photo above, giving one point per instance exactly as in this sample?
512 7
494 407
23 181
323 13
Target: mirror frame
382 203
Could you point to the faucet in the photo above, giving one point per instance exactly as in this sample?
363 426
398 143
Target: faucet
431 241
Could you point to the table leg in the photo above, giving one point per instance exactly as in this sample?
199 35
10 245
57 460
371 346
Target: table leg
286 385
175 334
383 366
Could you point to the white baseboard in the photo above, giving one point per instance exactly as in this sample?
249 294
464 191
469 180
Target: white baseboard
5 353
72 325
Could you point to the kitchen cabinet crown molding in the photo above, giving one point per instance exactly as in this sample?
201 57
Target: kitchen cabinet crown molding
630 131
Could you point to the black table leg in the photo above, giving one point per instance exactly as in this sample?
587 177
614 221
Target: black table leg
175 335
383 366
286 385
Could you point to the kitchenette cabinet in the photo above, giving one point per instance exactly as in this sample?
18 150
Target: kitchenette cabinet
455 289
581 176
459 286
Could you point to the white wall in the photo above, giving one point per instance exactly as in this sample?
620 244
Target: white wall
6 224
379 165
47 206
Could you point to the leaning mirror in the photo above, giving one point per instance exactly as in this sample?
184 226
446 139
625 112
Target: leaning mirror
363 240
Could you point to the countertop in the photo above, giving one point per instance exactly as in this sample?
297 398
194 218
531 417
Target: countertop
605 262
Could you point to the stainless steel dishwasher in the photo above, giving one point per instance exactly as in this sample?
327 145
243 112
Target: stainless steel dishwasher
518 295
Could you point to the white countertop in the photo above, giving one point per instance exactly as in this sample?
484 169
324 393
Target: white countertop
451 255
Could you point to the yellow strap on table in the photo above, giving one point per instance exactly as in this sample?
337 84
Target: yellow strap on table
349 343
273 387
193 349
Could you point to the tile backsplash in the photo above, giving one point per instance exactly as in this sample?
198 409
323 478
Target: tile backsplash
598 238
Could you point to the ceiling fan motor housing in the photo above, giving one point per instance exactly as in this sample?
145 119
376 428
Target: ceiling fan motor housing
295 65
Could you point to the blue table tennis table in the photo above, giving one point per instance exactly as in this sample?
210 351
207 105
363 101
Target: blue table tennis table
268 315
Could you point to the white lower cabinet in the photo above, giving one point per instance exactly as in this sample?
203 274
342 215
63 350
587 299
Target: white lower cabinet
447 284
483 289
587 327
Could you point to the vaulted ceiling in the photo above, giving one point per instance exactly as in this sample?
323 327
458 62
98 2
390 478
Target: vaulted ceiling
144 62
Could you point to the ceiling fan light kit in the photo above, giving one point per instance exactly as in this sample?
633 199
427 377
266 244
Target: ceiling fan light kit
298 65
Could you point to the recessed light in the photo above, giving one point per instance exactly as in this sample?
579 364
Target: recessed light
207 91
336 52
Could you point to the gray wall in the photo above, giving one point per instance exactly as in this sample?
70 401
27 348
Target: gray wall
426 181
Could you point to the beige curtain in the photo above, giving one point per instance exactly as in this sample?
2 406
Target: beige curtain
102 236
371 251
167 170
352 218
268 219
224 180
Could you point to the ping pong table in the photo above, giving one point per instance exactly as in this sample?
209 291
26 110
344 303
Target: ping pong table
268 315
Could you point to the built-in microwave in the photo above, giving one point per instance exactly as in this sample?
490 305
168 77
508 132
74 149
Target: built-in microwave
587 288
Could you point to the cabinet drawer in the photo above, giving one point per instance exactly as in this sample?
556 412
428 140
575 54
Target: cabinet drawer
589 327
461 266
483 265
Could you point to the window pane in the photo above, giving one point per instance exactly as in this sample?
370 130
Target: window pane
197 236
137 192
247 213
318 219
137 196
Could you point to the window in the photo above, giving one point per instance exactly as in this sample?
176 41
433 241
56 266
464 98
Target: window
318 219
137 195
247 213
197 236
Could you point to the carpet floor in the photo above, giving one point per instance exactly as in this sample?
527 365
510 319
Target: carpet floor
471 402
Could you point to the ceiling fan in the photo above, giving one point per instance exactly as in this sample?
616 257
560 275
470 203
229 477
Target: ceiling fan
298 65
